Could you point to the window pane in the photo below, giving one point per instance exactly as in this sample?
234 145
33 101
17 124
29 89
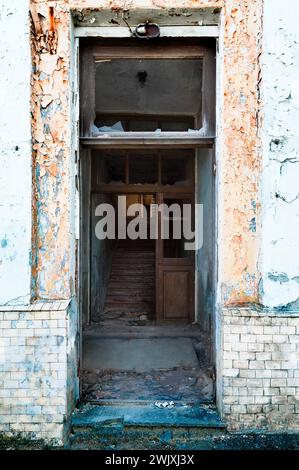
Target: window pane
174 226
177 167
143 169
109 167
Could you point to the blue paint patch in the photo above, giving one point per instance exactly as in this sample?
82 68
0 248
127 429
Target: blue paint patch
37 368
47 129
4 242
63 261
28 366
34 410
253 204
226 292
290 307
14 323
44 222
243 98
42 76
261 288
252 225
51 109
24 383
60 340
279 277
250 282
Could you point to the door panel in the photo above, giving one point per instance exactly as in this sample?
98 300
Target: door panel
176 293
174 267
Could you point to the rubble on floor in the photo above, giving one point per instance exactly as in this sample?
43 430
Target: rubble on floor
125 318
150 363
188 385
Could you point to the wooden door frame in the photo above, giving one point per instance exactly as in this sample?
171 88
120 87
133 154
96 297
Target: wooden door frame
98 48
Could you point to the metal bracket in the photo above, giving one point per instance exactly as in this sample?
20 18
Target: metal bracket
147 30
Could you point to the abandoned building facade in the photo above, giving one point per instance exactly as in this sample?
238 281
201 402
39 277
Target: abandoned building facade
186 102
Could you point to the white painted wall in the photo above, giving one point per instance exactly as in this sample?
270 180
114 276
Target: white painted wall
15 152
280 183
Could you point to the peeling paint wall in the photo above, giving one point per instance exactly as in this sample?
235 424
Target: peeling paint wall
280 249
239 168
15 153
53 232
240 155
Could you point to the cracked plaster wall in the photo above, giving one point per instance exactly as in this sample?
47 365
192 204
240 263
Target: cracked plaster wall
240 155
15 153
239 233
239 166
53 205
280 180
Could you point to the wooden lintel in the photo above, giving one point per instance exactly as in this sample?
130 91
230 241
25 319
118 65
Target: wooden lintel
151 140
141 188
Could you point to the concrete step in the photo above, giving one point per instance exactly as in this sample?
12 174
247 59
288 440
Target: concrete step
147 414
149 331
109 425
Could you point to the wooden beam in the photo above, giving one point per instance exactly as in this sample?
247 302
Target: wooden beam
148 139
143 50
141 188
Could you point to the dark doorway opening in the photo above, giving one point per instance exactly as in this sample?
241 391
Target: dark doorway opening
150 277
143 121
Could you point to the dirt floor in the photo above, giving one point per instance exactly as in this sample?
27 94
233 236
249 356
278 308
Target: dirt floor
189 385
129 361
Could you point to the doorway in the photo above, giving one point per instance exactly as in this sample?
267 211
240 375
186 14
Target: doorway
147 130
151 274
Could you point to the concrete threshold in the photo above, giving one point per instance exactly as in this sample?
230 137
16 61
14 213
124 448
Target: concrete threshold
148 331
147 415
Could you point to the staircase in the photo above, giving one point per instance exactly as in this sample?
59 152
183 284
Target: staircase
131 286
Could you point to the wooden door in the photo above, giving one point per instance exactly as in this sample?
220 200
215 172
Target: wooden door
174 266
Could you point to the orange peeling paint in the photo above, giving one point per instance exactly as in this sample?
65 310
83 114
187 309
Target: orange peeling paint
240 153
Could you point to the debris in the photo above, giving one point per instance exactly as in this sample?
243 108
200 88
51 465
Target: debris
117 127
164 404
143 317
